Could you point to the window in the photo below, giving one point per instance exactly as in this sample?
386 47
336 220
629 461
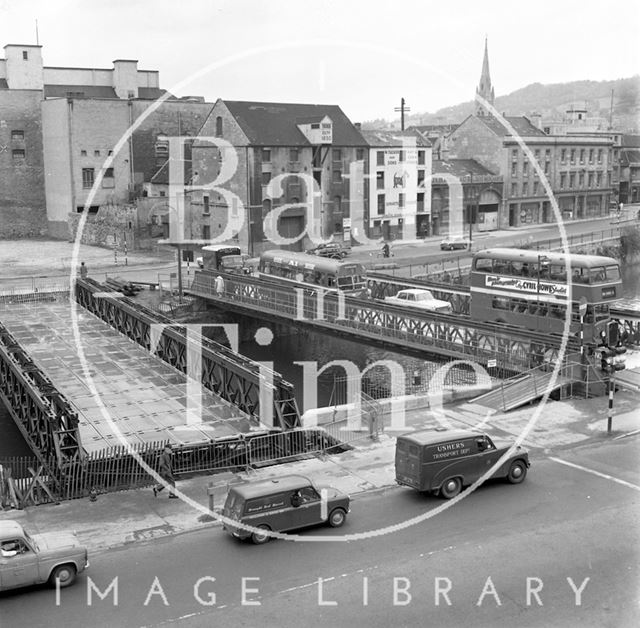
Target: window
219 126
380 204
536 185
599 155
581 179
337 154
514 189
420 207
25 55
87 177
582 155
514 154
401 200
401 157
17 135
18 154
572 180
537 154
294 154
547 167
591 179
108 173
514 169
206 232
205 203
599 179
547 154
525 169
266 155
380 158
337 203
96 153
420 178
525 188
380 180
573 156
337 176
421 161
563 155
162 149
591 155
266 177
107 178
563 180
110 153
359 154
83 153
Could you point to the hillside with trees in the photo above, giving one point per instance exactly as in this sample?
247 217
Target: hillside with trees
552 101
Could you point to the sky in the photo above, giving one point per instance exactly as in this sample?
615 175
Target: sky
362 55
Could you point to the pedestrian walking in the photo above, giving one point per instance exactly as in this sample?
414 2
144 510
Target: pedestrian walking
386 250
83 271
219 285
165 470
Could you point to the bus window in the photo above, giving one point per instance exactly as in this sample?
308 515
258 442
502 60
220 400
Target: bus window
613 273
516 269
602 312
483 265
578 276
500 303
345 282
558 272
597 274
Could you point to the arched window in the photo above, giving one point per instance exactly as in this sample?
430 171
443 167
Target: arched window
219 126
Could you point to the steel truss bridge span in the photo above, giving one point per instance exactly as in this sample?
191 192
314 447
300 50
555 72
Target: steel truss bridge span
382 285
236 379
419 333
46 419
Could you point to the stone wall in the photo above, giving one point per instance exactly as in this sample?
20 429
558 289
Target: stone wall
112 225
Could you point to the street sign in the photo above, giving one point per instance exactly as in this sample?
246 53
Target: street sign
491 363
582 307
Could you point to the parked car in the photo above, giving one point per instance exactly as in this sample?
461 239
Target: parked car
282 504
449 244
421 299
443 462
28 559
334 250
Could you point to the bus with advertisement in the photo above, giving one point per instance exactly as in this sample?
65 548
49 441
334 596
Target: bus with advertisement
311 271
531 289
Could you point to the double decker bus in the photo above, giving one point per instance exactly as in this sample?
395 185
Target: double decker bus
293 268
531 289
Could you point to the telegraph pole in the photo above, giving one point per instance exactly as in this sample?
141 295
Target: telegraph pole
402 108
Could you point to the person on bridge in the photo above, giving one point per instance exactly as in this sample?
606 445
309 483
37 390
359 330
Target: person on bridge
83 271
165 470
386 250
219 285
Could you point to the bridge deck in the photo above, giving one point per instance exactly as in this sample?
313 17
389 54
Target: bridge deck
145 399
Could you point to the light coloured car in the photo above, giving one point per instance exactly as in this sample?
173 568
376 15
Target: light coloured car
28 559
421 299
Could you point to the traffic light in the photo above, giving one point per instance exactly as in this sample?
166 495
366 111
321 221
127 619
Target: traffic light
612 359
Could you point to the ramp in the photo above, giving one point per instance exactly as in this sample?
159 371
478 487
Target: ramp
522 389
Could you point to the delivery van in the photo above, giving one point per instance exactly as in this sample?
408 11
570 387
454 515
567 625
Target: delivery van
282 504
443 462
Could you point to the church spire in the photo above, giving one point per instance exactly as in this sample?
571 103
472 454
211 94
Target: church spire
484 89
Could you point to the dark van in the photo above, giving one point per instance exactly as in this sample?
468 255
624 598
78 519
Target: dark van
442 462
282 504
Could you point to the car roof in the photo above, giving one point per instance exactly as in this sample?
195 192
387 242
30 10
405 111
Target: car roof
10 528
431 436
273 485
414 291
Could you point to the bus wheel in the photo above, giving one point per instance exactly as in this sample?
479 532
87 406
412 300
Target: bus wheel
261 537
517 472
450 488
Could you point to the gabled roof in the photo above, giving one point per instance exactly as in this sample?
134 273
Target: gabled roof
521 125
393 138
435 129
459 167
275 124
629 156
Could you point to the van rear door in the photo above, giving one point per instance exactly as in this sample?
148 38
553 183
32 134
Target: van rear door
408 462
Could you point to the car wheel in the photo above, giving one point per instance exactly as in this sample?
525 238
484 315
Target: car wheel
337 518
65 574
517 472
260 538
450 488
